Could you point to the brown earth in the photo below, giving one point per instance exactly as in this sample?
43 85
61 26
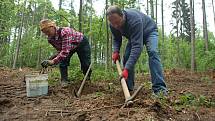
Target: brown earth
102 101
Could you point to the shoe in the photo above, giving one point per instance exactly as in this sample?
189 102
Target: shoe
160 94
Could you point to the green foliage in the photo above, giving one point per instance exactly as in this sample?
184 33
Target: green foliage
54 77
185 54
61 18
75 74
189 99
170 54
5 53
127 3
99 94
147 85
34 47
142 63
99 73
7 15
205 60
181 14
207 80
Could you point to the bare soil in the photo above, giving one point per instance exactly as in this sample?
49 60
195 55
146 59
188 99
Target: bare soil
103 100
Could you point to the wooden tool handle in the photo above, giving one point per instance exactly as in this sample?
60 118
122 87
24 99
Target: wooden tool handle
123 82
118 67
83 82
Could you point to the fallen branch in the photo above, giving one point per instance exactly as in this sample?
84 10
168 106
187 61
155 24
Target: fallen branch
68 111
75 112
197 116
90 110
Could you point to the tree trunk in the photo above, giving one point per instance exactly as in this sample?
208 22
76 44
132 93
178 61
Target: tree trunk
162 19
99 45
152 9
213 10
33 14
80 16
71 12
95 51
147 7
84 16
40 48
111 39
60 4
107 36
156 10
205 31
13 51
20 37
91 7
192 25
111 2
177 34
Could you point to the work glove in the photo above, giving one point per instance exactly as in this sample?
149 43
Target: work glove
46 63
125 73
115 56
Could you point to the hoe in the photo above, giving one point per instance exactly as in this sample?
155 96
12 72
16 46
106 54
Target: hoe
82 84
128 98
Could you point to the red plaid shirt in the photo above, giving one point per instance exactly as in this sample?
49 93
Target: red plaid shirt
65 40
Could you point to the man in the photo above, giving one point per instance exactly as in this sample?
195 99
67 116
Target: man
66 41
140 30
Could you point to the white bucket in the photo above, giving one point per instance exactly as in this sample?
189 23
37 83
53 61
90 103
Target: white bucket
36 84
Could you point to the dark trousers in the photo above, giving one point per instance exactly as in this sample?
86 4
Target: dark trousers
84 55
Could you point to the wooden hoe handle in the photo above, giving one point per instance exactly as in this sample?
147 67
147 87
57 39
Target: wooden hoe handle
123 82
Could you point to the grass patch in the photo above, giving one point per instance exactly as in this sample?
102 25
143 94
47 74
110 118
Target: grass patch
189 99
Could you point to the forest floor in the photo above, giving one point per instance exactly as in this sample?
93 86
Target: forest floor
191 97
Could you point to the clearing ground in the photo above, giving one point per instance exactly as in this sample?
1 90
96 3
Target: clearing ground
191 97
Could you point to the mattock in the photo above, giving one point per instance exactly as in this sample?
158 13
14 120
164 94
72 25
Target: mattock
128 97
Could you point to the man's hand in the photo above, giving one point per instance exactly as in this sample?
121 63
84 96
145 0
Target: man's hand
115 56
47 63
125 73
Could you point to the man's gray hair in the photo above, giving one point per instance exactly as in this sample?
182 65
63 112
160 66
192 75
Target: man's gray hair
114 9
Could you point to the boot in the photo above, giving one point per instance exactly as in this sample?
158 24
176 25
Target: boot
64 75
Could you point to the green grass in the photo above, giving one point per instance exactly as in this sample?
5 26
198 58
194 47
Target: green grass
189 100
